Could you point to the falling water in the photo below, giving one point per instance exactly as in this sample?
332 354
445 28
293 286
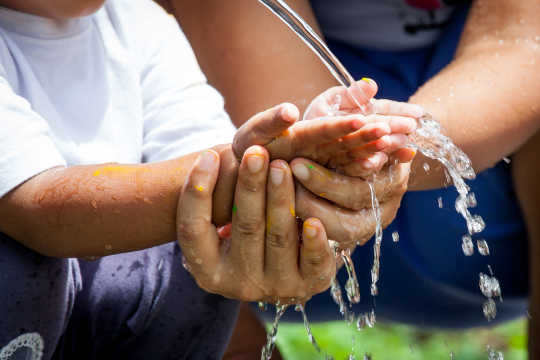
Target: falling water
378 240
428 139
311 338
268 349
351 286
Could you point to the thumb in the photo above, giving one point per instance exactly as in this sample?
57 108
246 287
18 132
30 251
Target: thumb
264 127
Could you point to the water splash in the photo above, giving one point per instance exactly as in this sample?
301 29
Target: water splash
352 288
378 240
337 296
395 236
467 245
494 354
271 337
366 320
311 338
483 248
489 285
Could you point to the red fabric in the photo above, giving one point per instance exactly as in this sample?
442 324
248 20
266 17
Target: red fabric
425 4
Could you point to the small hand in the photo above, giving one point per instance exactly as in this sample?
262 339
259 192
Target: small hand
264 259
356 154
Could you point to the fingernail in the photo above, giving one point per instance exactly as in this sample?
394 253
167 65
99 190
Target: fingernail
276 175
207 160
309 230
300 171
289 112
255 163
368 80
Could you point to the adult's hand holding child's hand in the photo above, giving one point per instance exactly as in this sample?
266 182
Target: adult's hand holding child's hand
264 260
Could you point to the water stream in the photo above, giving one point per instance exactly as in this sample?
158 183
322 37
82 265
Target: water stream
429 140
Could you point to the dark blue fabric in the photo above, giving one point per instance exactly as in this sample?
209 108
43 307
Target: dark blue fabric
426 279
135 305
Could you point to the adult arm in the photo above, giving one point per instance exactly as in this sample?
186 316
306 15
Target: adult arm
486 98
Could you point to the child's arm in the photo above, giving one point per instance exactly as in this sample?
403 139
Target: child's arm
96 210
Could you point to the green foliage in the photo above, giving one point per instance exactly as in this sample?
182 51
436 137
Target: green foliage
390 342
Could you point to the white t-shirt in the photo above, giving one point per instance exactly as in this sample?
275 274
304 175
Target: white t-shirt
383 24
121 85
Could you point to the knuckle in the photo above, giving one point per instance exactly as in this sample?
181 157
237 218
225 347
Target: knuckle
248 226
192 228
276 240
251 183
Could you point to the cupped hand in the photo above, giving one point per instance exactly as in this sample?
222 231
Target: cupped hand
264 259
343 203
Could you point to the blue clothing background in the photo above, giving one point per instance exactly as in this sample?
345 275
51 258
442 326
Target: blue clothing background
425 278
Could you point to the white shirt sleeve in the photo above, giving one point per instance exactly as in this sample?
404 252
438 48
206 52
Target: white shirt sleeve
26 146
182 113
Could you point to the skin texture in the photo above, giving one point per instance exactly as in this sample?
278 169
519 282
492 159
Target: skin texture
264 259
489 93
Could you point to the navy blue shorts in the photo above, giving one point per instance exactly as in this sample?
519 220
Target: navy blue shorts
136 305
425 278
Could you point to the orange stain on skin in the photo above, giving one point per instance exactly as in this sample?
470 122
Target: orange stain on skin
291 210
118 169
199 188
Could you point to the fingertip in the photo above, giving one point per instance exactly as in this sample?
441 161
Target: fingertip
372 85
289 113
312 231
404 155
256 150
208 160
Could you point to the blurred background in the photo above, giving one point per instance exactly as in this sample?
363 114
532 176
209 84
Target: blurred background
391 342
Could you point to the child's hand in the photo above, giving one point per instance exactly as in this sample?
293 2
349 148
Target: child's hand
264 259
389 125
336 135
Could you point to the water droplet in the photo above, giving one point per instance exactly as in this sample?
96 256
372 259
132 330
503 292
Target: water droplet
438 99
426 167
471 200
493 354
490 309
352 290
395 236
263 306
476 225
483 248
185 265
440 202
501 42
108 247
361 322
489 286
198 261
506 160
160 265
467 245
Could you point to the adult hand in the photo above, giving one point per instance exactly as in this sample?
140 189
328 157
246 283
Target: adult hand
264 260
343 204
